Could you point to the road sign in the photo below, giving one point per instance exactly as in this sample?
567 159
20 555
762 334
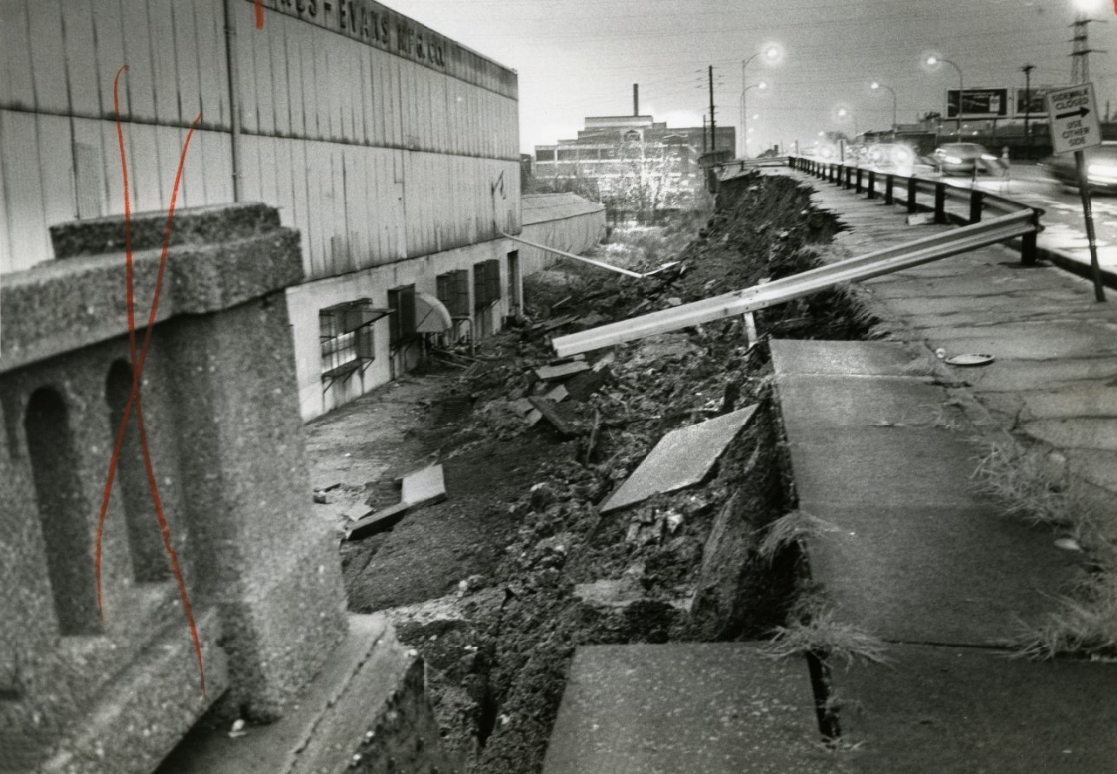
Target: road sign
1074 118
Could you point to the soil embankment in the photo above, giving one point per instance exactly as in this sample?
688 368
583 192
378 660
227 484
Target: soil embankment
498 585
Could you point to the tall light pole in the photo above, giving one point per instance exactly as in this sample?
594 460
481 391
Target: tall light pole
761 85
771 54
934 60
878 85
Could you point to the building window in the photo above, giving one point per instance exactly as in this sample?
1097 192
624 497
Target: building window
401 304
346 337
544 155
486 284
453 292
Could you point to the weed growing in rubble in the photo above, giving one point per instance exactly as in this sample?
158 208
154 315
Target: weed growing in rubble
790 528
1080 626
827 638
1025 487
1021 483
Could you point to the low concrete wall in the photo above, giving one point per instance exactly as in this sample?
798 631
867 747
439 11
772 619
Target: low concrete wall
219 399
563 221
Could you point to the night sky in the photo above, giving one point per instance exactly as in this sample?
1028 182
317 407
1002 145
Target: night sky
580 57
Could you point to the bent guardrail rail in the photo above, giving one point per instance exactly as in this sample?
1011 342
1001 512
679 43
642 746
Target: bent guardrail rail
1022 223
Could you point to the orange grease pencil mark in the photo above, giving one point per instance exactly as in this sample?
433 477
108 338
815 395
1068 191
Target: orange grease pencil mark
137 370
260 14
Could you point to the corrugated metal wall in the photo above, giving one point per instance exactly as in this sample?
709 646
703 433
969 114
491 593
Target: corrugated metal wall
374 152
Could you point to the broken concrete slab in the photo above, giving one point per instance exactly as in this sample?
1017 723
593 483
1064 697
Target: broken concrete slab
868 358
715 708
849 401
564 371
883 570
549 410
372 684
682 458
932 710
587 383
423 487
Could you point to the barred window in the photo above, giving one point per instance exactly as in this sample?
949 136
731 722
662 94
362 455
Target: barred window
486 284
453 292
346 337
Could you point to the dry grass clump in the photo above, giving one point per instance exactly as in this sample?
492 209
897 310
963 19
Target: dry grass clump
794 527
827 638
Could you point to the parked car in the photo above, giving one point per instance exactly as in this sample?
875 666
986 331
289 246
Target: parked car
1101 168
891 156
962 158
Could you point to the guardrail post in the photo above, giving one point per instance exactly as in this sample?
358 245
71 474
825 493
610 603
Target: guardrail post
911 194
848 177
858 189
888 189
1028 243
940 202
977 198
872 185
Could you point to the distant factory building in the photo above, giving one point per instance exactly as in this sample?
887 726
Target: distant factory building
635 165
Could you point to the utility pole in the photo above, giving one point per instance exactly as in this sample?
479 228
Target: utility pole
713 134
1028 101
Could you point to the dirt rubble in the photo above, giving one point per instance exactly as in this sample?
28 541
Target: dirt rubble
498 585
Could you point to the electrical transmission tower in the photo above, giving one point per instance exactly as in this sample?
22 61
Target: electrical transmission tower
1080 55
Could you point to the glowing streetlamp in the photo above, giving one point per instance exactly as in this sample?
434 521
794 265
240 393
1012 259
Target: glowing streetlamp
771 53
934 60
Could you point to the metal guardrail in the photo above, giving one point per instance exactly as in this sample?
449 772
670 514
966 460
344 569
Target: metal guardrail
912 191
1021 223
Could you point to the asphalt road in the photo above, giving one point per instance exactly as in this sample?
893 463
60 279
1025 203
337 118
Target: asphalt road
1063 221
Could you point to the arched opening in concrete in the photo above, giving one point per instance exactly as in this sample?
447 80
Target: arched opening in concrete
145 542
63 512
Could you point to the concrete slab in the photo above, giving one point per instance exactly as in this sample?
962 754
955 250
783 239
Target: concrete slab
818 400
555 372
1088 400
946 575
1029 340
894 466
682 458
423 485
1083 432
370 677
973 711
1096 466
878 358
715 708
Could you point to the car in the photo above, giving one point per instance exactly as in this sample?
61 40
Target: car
888 155
962 158
1101 168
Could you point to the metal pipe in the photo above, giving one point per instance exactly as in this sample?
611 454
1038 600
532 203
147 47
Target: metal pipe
583 259
234 93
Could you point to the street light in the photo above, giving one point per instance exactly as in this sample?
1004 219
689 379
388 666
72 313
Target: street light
876 86
761 85
844 113
934 60
771 53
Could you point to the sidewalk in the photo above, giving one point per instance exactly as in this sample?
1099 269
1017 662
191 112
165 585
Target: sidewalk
917 558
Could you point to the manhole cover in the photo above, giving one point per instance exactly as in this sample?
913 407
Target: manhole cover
969 360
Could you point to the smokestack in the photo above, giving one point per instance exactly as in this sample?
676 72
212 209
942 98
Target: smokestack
635 99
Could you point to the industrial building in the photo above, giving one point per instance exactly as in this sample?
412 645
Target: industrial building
393 151
634 164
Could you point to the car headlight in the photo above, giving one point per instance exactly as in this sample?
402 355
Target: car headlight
952 160
988 157
1102 172
902 156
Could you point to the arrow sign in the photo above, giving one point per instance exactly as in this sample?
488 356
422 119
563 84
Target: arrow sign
1074 118
1082 111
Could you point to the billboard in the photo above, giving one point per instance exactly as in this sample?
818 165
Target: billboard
978 103
1031 102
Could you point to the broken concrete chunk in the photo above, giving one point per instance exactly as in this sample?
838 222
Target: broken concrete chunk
682 458
558 394
566 370
522 406
554 416
423 487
